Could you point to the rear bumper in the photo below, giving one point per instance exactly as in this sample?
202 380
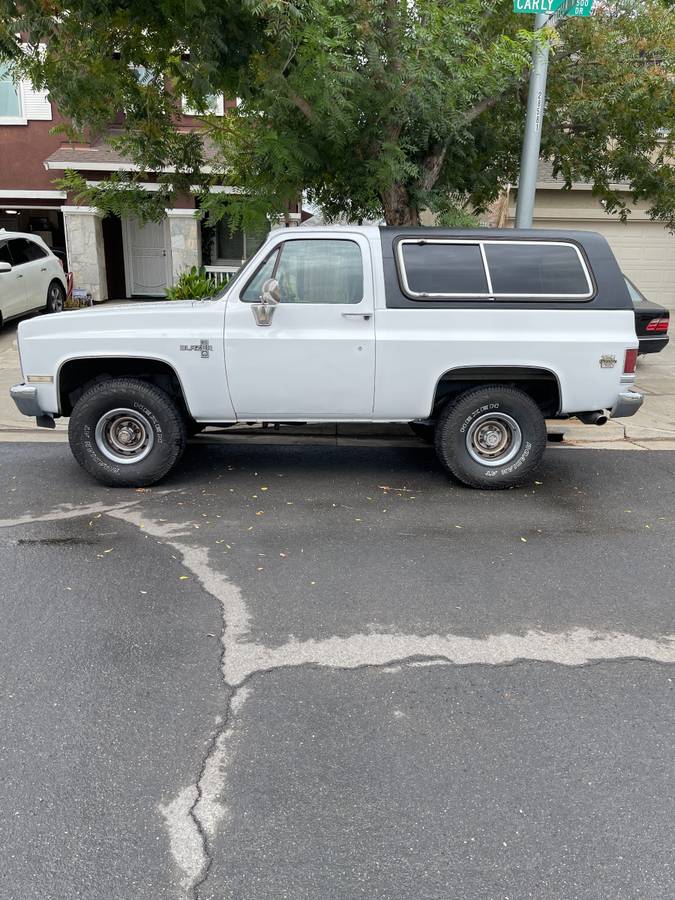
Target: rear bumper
653 344
26 398
627 404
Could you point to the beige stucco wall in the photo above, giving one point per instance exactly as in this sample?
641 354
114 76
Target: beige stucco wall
557 204
185 240
84 244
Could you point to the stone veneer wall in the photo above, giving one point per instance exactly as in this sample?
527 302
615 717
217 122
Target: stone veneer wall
185 240
86 256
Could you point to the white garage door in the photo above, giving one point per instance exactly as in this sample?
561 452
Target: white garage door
645 251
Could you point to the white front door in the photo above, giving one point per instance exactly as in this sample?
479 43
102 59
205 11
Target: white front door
147 262
316 360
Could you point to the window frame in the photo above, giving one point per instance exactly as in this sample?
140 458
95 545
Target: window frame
278 248
491 294
217 260
21 118
192 111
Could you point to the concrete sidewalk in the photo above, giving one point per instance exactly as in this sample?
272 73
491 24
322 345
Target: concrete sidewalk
653 426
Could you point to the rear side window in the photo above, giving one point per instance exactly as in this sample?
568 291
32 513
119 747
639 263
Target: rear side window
444 268
493 270
24 251
535 270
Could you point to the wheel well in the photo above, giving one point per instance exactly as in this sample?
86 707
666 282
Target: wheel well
541 384
76 375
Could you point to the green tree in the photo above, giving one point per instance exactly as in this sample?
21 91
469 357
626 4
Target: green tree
372 107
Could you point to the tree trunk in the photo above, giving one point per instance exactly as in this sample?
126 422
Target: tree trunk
397 207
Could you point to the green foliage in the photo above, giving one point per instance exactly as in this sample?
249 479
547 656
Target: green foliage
371 107
194 284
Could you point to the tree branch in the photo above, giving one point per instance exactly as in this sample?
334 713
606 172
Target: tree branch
481 107
431 167
304 107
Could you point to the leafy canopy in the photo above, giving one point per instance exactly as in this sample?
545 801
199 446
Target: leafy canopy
372 107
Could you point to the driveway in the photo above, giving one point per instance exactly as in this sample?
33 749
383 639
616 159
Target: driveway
315 672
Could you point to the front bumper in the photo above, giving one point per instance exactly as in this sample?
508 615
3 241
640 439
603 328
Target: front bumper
627 404
26 398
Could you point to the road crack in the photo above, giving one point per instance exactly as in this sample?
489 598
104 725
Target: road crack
194 816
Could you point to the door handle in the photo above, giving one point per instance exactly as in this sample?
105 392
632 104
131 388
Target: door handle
19 276
43 269
364 316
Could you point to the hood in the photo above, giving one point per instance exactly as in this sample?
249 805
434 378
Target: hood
110 317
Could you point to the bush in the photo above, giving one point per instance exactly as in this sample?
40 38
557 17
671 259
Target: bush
194 284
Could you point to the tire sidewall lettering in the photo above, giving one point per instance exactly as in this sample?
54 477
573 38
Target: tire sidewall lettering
149 414
487 407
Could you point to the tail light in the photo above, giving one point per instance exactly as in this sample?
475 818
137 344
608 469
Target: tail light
657 326
630 363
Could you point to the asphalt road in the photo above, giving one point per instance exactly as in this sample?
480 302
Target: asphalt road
323 673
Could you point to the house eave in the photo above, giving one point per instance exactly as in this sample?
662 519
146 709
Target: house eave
89 166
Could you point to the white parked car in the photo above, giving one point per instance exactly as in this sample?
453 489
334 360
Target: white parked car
474 337
31 277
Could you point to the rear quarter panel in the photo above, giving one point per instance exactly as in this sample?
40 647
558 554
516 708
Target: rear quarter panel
419 341
415 348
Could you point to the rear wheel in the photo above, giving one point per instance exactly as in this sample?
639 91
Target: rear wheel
56 297
126 432
491 437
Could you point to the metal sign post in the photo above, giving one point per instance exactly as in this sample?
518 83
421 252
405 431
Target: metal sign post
536 98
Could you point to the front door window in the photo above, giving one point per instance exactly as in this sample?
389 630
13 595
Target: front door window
312 271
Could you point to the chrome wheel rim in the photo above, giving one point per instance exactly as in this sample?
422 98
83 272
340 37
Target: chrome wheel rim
124 436
56 299
494 439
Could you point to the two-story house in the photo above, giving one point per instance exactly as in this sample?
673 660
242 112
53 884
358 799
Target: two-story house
109 256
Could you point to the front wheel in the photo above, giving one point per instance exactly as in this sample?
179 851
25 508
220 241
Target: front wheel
126 432
491 437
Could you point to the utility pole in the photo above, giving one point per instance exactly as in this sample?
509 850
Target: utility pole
536 99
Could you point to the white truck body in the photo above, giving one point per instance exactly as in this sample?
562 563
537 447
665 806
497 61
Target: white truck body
352 362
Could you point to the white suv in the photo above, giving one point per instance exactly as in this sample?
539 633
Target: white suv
31 277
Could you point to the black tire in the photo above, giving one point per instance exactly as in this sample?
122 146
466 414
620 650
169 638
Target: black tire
192 428
426 433
469 426
56 297
99 426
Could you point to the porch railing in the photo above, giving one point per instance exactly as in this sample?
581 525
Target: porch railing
220 274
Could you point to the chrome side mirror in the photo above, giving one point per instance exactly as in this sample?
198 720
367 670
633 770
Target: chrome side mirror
269 300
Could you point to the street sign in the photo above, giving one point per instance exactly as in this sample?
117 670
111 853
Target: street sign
561 7
573 8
